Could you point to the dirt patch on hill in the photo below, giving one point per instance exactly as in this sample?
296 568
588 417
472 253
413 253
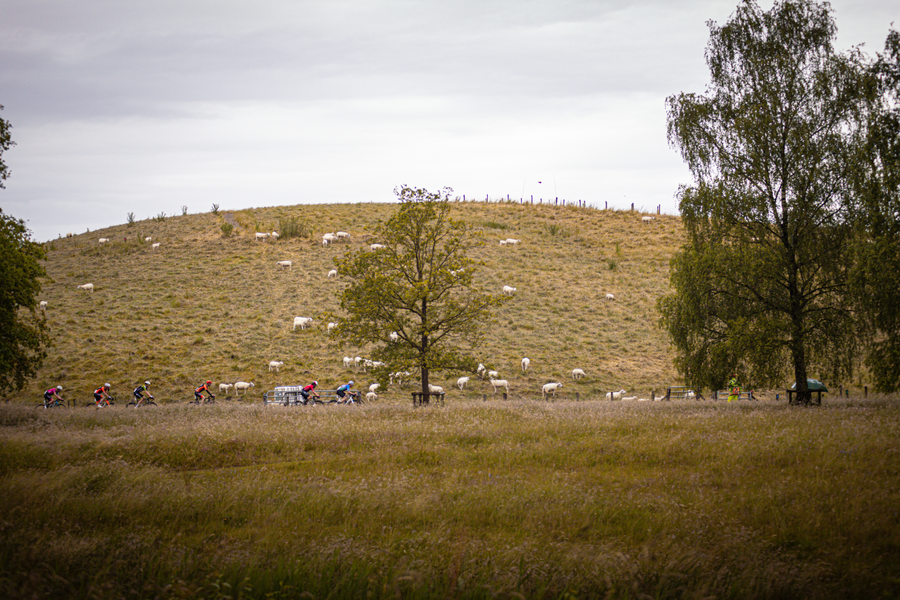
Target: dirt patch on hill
229 218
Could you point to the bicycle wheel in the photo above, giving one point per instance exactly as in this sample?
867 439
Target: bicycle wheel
131 404
148 403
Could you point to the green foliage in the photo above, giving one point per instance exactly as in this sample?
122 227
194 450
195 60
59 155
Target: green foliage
761 287
183 210
6 143
421 285
293 227
215 209
24 338
227 229
161 217
130 218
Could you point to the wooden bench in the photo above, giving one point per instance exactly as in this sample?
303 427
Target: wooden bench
421 399
680 392
792 401
742 395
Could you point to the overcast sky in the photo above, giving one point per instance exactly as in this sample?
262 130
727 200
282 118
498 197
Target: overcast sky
122 106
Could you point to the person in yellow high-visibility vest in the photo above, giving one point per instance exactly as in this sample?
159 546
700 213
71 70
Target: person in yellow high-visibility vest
734 389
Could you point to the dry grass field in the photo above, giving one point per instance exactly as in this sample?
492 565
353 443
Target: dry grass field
518 498
202 306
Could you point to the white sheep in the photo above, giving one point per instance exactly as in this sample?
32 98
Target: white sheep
342 235
347 362
398 377
493 374
374 387
371 397
481 371
275 235
498 383
328 238
103 240
511 241
302 322
332 325
394 336
274 365
647 219
616 395
224 387
435 389
43 305
461 382
550 388
577 374
525 362
508 290
374 247
87 286
285 264
332 273
155 245
261 235
148 239
242 385
502 242
610 297
357 361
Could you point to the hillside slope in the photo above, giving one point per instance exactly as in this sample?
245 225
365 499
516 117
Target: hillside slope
204 306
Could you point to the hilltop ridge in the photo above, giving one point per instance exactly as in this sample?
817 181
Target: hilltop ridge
203 306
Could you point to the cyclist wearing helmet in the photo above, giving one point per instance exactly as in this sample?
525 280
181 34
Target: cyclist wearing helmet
344 391
101 395
309 389
139 393
51 394
198 393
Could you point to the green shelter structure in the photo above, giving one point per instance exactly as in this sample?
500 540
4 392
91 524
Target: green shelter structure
814 385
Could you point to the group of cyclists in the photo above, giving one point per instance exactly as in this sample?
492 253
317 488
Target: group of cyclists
102 398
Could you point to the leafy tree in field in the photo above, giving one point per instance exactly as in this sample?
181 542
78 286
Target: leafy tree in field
23 336
420 285
762 285
876 272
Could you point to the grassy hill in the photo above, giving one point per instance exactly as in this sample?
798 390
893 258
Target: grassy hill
206 306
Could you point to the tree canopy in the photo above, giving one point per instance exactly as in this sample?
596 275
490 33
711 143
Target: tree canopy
419 285
762 287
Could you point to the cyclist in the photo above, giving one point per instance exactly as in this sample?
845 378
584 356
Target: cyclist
53 394
344 391
198 393
101 395
309 390
139 394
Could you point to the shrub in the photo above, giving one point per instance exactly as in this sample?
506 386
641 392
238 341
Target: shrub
227 228
293 227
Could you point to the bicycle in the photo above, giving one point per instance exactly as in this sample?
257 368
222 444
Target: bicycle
107 401
54 403
148 401
206 400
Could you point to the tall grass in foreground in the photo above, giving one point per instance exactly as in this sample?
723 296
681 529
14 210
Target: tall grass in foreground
514 499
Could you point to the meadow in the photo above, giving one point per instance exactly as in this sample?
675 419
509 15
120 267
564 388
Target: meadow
514 499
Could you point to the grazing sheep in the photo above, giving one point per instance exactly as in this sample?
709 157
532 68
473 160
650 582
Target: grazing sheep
550 388
261 235
275 235
525 362
610 297
224 387
461 382
480 370
647 219
342 235
511 241
435 389
148 239
332 325
155 245
508 290
357 361
398 377
348 362
615 395
285 264
43 305
87 286
328 238
493 374
332 273
374 247
577 374
242 385
302 322
394 336
371 397
498 383
274 365
374 387
103 240
502 242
